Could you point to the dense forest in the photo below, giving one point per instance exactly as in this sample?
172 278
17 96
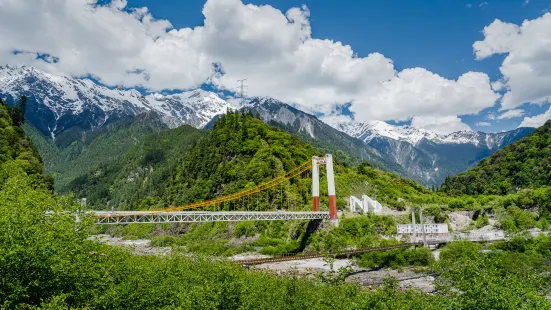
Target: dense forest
16 151
185 164
72 153
523 164
138 177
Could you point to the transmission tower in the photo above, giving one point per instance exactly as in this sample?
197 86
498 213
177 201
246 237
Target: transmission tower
241 87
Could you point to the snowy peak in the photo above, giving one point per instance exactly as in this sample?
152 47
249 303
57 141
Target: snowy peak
370 130
58 102
195 107
375 129
274 110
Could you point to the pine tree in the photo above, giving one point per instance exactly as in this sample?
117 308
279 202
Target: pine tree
18 112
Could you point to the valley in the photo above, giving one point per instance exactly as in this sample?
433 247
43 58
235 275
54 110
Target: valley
141 163
63 110
258 155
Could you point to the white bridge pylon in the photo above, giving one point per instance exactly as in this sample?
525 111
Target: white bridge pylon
366 204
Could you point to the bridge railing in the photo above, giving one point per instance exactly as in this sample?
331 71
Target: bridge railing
122 217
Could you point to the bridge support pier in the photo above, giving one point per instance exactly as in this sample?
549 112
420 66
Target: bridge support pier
331 187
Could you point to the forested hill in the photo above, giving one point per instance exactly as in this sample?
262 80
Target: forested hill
72 153
185 165
143 171
239 152
523 164
17 154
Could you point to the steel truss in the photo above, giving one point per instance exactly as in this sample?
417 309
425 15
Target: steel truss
128 217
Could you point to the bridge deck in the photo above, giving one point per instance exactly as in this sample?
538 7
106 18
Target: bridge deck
127 217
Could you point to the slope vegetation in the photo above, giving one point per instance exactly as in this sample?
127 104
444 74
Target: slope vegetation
74 152
523 164
128 181
185 165
17 154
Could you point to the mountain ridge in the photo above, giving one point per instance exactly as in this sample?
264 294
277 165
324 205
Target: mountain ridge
370 130
419 154
317 133
68 109
57 103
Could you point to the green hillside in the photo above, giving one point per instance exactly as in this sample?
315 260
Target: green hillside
71 154
185 165
523 164
17 154
143 172
239 152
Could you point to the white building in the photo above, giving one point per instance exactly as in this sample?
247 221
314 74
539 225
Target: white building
366 204
432 231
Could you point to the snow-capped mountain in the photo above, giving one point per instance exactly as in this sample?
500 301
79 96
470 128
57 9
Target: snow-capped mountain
374 129
419 154
370 130
317 133
67 108
57 103
430 157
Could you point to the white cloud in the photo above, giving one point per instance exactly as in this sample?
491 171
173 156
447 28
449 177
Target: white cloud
483 4
469 5
336 119
527 67
274 50
498 85
118 45
421 92
511 114
491 116
483 124
441 125
536 121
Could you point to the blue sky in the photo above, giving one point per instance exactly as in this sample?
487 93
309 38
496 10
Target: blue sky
433 34
406 62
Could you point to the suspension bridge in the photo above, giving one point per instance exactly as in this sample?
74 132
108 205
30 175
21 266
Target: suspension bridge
282 198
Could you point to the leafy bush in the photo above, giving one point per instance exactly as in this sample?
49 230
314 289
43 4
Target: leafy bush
514 219
396 258
355 232
457 250
495 280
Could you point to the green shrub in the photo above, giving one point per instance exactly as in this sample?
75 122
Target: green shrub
396 258
457 250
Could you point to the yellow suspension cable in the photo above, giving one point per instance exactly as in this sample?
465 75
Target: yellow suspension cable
232 197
